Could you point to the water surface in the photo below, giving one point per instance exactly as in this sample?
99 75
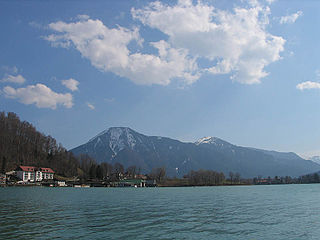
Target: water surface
236 212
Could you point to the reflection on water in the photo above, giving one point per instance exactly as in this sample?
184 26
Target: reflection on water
247 212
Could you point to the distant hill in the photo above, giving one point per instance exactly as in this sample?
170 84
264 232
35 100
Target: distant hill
128 147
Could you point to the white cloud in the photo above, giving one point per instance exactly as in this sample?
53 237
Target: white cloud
90 106
290 18
270 1
83 17
107 50
14 79
71 84
308 85
40 95
236 42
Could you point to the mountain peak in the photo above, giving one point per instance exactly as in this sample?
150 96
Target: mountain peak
112 131
117 138
119 128
211 140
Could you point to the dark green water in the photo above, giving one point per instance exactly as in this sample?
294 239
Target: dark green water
248 212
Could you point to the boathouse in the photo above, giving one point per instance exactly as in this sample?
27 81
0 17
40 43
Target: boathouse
131 183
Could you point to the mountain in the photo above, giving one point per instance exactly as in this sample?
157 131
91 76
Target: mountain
315 159
260 162
128 147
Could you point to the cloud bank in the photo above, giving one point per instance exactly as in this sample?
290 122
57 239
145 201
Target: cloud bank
107 50
234 42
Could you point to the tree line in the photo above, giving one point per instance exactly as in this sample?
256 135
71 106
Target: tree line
305 179
90 170
205 178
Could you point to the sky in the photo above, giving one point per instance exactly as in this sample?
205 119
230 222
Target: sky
244 71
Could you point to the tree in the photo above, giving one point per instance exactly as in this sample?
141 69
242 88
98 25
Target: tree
158 174
3 165
118 168
231 176
205 178
92 171
106 169
132 171
237 177
99 173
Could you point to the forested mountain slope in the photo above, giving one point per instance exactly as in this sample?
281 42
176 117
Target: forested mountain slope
22 144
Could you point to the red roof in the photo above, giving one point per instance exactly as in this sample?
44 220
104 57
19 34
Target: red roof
27 168
47 170
33 169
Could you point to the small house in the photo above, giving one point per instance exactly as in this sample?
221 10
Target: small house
33 174
26 173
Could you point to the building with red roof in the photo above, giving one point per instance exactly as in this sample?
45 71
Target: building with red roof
34 174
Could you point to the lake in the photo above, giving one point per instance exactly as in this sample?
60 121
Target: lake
228 212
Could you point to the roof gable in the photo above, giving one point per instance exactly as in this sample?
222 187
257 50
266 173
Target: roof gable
33 169
46 170
26 168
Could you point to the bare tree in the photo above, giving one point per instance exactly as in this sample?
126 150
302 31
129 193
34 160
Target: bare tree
231 176
132 171
158 174
205 177
106 169
237 177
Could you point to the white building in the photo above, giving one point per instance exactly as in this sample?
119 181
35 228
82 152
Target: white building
32 174
44 174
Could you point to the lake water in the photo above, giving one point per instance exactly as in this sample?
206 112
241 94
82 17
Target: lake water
237 212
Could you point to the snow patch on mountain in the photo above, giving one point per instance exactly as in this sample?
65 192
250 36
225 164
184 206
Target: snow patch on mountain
315 159
130 138
99 135
116 143
209 140
97 142
121 138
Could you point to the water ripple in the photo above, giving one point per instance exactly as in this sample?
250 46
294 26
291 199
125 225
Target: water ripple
249 212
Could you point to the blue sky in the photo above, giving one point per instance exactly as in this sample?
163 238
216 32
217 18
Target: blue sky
244 71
